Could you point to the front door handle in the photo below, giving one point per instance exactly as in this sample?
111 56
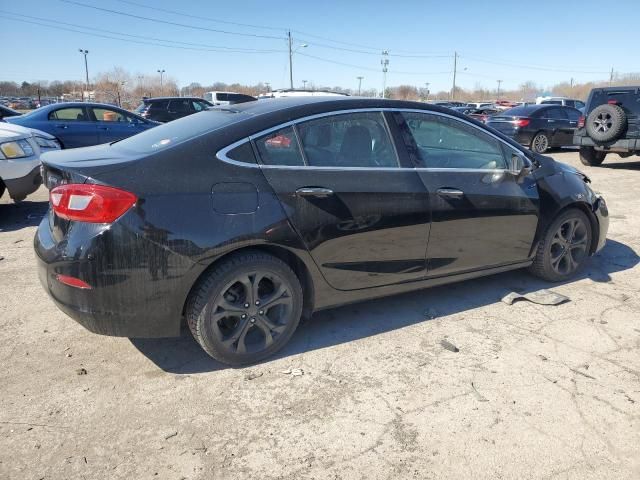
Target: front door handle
314 192
61 125
450 192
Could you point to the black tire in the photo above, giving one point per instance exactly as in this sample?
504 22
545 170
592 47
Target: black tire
592 157
227 308
558 248
540 143
606 123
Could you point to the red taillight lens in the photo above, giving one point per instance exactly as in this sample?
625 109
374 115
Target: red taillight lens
581 121
73 282
612 102
522 122
90 203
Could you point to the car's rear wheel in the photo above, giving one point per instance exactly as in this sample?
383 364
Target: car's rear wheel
592 157
246 309
540 143
564 247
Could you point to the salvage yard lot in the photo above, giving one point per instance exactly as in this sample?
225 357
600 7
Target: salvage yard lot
533 392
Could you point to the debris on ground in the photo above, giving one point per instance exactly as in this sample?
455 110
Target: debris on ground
294 372
543 358
170 435
541 297
1 257
449 346
81 371
18 241
253 375
480 397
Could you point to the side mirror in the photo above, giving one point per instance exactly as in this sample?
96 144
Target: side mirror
519 166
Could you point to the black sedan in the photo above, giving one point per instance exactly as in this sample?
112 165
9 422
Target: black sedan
539 127
243 220
77 124
6 112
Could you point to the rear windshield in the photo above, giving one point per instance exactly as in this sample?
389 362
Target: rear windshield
175 132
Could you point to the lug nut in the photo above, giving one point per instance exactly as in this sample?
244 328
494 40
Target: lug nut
253 320
257 302
261 312
246 305
243 316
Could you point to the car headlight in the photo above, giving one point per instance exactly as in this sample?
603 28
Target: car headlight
16 149
46 143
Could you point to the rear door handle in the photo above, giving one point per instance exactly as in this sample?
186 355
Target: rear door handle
450 192
61 125
314 192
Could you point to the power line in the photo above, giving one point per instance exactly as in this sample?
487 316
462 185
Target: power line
208 46
360 67
531 67
123 39
166 22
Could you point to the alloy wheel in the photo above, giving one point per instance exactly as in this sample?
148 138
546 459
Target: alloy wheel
251 312
569 246
603 122
540 143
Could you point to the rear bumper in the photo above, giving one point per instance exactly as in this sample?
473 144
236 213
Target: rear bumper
19 188
624 145
138 290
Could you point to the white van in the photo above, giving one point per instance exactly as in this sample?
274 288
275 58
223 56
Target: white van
227 98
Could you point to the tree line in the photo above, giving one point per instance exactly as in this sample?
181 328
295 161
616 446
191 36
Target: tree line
120 87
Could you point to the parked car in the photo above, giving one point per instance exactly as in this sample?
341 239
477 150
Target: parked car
77 124
227 98
297 92
483 114
20 150
243 232
448 104
166 109
564 101
539 127
7 112
480 105
612 124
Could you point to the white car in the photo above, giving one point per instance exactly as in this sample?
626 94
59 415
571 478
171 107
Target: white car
20 150
480 105
567 102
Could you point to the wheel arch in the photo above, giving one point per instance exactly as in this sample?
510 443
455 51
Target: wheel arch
298 266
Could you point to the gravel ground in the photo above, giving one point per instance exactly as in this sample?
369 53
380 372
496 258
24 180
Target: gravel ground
534 391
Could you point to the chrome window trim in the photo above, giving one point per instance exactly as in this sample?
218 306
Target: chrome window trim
222 153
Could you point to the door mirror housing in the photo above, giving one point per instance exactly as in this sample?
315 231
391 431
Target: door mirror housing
519 166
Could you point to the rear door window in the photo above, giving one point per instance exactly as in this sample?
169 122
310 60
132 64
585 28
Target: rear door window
556 114
74 114
109 115
181 106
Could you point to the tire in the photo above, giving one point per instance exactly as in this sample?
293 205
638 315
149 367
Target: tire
540 143
562 251
246 309
592 157
606 123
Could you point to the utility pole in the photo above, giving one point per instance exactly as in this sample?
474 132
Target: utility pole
86 71
455 71
304 84
161 72
359 84
498 94
611 77
571 82
290 61
385 64
426 98
268 85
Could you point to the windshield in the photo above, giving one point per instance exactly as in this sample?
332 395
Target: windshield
175 132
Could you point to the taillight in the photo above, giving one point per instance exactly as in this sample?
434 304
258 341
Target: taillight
581 121
73 282
613 102
522 122
90 203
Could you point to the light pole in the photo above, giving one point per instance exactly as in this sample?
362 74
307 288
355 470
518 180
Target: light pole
359 84
385 64
86 70
268 85
426 98
291 52
161 72
304 84
498 93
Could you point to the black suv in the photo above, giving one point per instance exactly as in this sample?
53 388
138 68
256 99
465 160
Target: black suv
611 123
165 109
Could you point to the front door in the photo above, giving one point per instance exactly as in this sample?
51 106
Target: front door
73 127
114 124
363 217
481 217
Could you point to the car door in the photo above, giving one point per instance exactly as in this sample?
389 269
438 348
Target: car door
558 124
574 115
481 216
363 215
114 124
73 127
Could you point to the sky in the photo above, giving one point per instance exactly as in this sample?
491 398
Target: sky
245 41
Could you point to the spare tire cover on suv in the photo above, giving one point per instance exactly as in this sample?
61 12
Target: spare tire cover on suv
606 123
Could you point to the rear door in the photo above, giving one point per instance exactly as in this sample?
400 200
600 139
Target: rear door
361 211
558 124
73 126
481 217
180 108
114 124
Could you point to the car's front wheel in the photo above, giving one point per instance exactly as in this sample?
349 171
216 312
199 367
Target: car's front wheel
540 143
564 248
592 157
246 309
